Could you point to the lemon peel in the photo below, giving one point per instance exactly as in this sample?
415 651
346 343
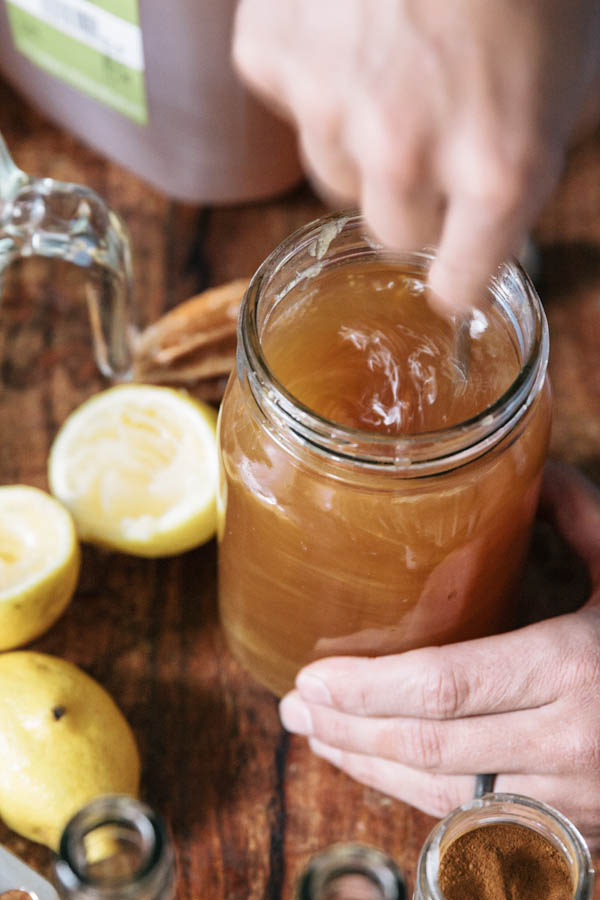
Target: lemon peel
39 563
63 741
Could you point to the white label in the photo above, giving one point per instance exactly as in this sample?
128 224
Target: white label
88 23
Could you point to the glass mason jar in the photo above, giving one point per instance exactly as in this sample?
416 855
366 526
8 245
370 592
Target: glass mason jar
337 541
511 809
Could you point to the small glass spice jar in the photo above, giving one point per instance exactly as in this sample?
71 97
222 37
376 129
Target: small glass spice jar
115 848
524 866
344 540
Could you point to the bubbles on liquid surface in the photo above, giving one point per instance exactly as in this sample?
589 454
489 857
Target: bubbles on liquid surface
403 382
360 346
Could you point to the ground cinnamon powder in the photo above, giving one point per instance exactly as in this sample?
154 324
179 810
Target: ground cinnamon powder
504 861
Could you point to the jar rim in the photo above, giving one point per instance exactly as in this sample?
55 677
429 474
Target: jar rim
408 454
497 808
114 810
337 860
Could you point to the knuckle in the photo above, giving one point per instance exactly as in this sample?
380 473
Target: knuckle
501 180
582 670
389 162
580 663
498 186
445 692
422 744
583 748
363 699
332 730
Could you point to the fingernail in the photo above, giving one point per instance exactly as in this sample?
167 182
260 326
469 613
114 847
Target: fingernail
326 751
313 689
295 715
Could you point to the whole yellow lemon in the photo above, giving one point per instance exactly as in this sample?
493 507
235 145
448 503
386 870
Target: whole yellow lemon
63 741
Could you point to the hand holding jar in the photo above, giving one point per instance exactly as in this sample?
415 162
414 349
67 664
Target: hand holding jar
448 122
523 704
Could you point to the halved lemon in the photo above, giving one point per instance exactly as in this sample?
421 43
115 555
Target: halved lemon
137 466
39 563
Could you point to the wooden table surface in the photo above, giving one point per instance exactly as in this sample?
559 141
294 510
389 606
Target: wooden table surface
247 803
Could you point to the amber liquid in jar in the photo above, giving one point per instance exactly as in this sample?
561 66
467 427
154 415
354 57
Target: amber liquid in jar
320 558
364 349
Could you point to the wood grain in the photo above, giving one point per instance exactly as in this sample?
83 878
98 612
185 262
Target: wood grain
247 804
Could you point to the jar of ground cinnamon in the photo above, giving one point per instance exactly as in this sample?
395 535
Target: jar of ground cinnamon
503 847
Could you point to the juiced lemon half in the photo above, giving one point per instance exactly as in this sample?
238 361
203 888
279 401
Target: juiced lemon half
137 467
39 563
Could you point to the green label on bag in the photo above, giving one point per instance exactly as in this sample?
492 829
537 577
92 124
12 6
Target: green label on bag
94 46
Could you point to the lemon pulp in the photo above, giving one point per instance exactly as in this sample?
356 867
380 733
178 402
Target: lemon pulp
137 467
39 563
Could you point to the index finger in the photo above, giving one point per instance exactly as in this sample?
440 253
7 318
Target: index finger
519 670
475 241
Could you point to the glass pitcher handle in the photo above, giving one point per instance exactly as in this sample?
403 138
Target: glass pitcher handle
44 217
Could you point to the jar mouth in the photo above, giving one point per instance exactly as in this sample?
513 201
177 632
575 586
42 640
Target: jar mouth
344 237
516 809
376 872
114 842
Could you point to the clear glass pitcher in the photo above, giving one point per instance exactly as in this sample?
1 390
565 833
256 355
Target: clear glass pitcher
59 220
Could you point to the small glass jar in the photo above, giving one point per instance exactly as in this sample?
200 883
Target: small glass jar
338 541
511 809
351 872
115 848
